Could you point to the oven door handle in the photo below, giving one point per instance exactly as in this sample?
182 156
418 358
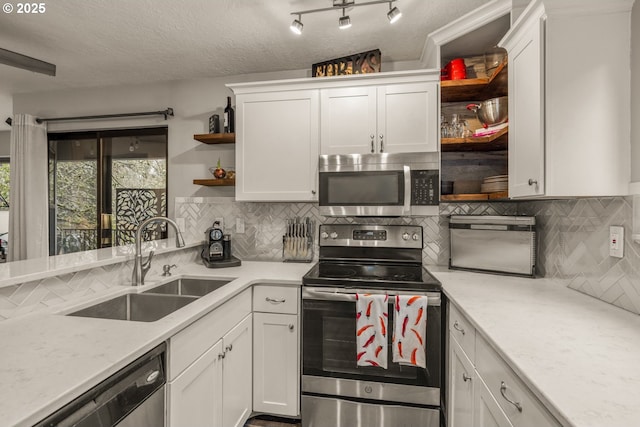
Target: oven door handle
407 190
433 298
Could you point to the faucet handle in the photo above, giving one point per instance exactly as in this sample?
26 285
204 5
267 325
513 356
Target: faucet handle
147 263
166 269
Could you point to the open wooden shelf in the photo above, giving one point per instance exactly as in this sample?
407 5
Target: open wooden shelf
216 138
497 141
226 182
479 197
476 89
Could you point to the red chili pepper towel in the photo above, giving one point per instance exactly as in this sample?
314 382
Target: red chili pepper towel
371 330
410 330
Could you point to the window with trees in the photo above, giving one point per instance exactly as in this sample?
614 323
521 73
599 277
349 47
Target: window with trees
103 184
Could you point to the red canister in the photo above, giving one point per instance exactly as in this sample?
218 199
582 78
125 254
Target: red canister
457 69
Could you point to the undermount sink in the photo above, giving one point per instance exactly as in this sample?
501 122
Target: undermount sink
137 307
190 287
153 304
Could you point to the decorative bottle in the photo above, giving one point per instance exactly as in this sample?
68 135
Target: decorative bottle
229 118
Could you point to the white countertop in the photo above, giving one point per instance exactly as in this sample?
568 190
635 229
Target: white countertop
579 355
46 360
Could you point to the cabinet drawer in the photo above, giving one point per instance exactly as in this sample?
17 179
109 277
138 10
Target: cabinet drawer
463 332
276 299
189 344
504 384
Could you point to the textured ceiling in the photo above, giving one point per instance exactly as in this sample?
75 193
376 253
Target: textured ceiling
98 42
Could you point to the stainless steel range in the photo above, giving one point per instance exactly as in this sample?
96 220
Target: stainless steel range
336 392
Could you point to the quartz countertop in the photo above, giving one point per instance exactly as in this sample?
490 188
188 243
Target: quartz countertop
48 359
579 355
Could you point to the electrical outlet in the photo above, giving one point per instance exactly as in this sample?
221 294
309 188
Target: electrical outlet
239 225
219 221
181 226
616 241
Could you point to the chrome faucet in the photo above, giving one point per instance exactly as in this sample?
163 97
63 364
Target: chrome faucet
140 268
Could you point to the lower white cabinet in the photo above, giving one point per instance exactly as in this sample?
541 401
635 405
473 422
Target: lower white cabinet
276 350
461 382
209 368
483 390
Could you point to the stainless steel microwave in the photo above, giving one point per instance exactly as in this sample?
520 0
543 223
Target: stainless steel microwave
397 184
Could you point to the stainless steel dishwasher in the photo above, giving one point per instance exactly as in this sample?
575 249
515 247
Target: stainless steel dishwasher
132 397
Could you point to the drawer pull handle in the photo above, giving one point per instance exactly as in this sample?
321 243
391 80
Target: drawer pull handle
275 301
503 389
465 377
291 326
457 327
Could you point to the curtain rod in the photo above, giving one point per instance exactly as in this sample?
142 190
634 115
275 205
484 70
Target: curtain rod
166 113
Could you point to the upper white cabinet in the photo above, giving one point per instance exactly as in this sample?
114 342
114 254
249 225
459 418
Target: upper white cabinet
394 118
569 97
277 145
280 126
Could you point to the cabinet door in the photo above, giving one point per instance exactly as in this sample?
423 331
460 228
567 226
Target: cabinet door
461 379
487 412
237 374
348 120
526 112
277 139
276 364
408 118
195 396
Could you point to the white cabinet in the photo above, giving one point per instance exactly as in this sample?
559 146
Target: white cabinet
461 382
208 380
276 350
483 390
569 115
277 145
195 396
392 118
236 374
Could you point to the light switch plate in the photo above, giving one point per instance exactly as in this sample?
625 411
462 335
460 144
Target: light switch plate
616 241
239 225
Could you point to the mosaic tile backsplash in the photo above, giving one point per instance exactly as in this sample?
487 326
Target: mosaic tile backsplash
573 246
573 236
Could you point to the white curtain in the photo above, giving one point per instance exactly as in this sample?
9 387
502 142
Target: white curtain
28 200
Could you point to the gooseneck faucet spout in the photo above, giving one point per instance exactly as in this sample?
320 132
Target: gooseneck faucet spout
140 269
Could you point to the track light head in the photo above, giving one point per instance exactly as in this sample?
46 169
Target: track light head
296 26
344 22
394 14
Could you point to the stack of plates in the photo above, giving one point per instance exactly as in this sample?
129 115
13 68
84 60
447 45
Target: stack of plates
494 184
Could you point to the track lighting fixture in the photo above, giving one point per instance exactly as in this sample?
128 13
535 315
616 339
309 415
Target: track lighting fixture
394 13
296 25
345 20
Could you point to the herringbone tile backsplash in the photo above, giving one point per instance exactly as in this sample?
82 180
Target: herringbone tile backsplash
573 236
573 246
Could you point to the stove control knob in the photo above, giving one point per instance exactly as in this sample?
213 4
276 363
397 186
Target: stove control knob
405 236
333 235
415 236
324 235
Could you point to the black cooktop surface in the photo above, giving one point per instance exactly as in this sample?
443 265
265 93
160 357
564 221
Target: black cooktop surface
401 276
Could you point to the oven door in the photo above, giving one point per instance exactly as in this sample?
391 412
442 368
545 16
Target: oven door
329 352
365 192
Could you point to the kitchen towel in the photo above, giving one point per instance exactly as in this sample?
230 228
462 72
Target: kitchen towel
410 330
371 330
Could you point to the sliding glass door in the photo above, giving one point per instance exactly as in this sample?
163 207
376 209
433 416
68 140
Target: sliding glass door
102 185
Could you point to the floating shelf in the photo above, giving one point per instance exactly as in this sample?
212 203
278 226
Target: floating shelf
476 89
216 138
479 197
216 182
497 141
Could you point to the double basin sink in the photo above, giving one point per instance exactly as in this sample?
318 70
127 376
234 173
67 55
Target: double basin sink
153 304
